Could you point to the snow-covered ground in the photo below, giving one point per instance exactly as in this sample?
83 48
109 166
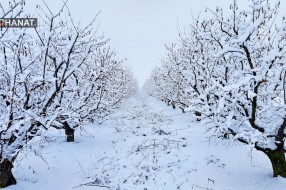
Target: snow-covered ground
146 146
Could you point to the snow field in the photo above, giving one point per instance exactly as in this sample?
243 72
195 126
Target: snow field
145 145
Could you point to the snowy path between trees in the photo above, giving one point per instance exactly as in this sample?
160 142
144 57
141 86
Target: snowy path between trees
145 145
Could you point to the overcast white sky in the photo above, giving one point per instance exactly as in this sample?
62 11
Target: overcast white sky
139 29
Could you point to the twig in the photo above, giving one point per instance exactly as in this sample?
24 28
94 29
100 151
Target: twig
142 159
80 166
128 178
200 187
91 184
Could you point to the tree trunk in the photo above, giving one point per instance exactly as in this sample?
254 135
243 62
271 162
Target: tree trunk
278 162
198 114
6 176
69 132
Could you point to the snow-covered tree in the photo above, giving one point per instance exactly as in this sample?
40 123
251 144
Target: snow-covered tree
66 52
169 80
236 76
248 87
12 92
84 70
